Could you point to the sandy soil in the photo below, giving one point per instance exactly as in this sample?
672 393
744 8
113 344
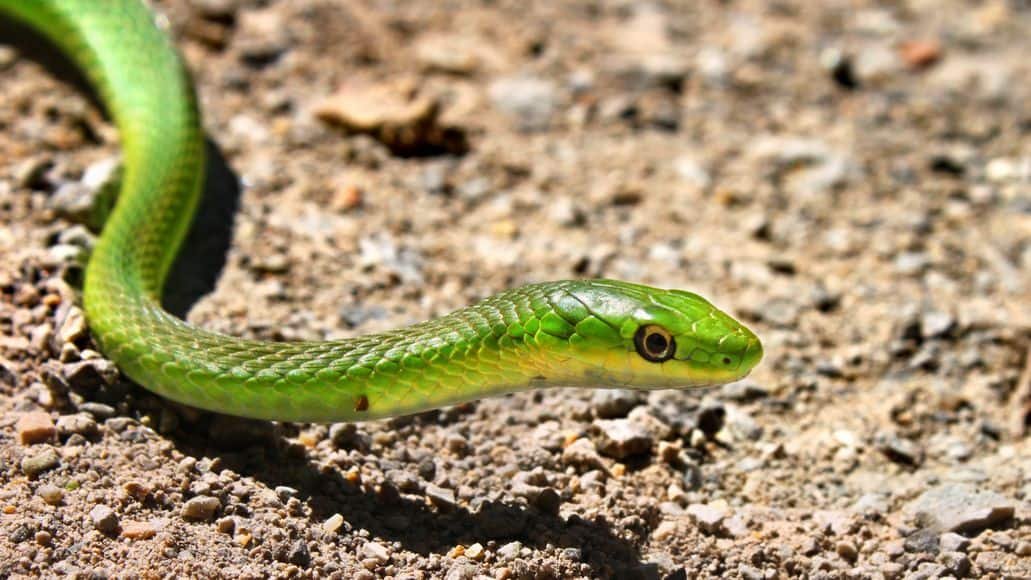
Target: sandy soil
851 179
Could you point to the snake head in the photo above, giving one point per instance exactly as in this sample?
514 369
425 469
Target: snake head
628 335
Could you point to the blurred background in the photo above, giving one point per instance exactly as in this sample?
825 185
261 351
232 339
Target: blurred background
850 178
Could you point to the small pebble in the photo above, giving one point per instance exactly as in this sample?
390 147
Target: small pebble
708 517
443 499
377 552
104 519
475 552
100 411
35 427
583 453
226 525
90 374
201 507
847 550
621 438
899 450
958 507
615 403
953 542
51 494
43 461
333 524
138 530
73 329
509 551
81 423
955 562
531 101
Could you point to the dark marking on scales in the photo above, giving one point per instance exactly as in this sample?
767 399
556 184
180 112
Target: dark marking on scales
362 404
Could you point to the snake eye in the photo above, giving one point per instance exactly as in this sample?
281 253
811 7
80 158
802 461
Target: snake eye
654 343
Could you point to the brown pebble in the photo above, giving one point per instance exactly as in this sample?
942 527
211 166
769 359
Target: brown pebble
920 54
138 530
347 198
35 427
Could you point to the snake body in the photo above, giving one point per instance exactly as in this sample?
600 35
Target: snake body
594 333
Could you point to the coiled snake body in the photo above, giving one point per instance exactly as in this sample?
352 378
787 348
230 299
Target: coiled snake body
594 333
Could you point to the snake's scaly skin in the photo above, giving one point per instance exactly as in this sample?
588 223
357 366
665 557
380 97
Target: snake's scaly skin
579 333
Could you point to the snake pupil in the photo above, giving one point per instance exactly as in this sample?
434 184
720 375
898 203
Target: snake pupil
654 343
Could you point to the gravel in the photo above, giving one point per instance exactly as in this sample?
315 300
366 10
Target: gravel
955 507
849 180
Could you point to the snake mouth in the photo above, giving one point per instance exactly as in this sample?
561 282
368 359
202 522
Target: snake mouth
751 356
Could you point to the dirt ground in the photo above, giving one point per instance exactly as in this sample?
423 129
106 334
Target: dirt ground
851 179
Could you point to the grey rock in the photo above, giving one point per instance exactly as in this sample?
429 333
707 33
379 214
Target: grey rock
90 374
922 541
104 519
614 403
621 438
376 551
899 450
531 101
583 453
958 507
41 462
51 494
709 518
957 563
936 324
741 426
80 423
99 411
871 503
295 553
202 508
510 551
953 542
442 498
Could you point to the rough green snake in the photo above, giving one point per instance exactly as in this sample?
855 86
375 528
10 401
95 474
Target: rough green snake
588 333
